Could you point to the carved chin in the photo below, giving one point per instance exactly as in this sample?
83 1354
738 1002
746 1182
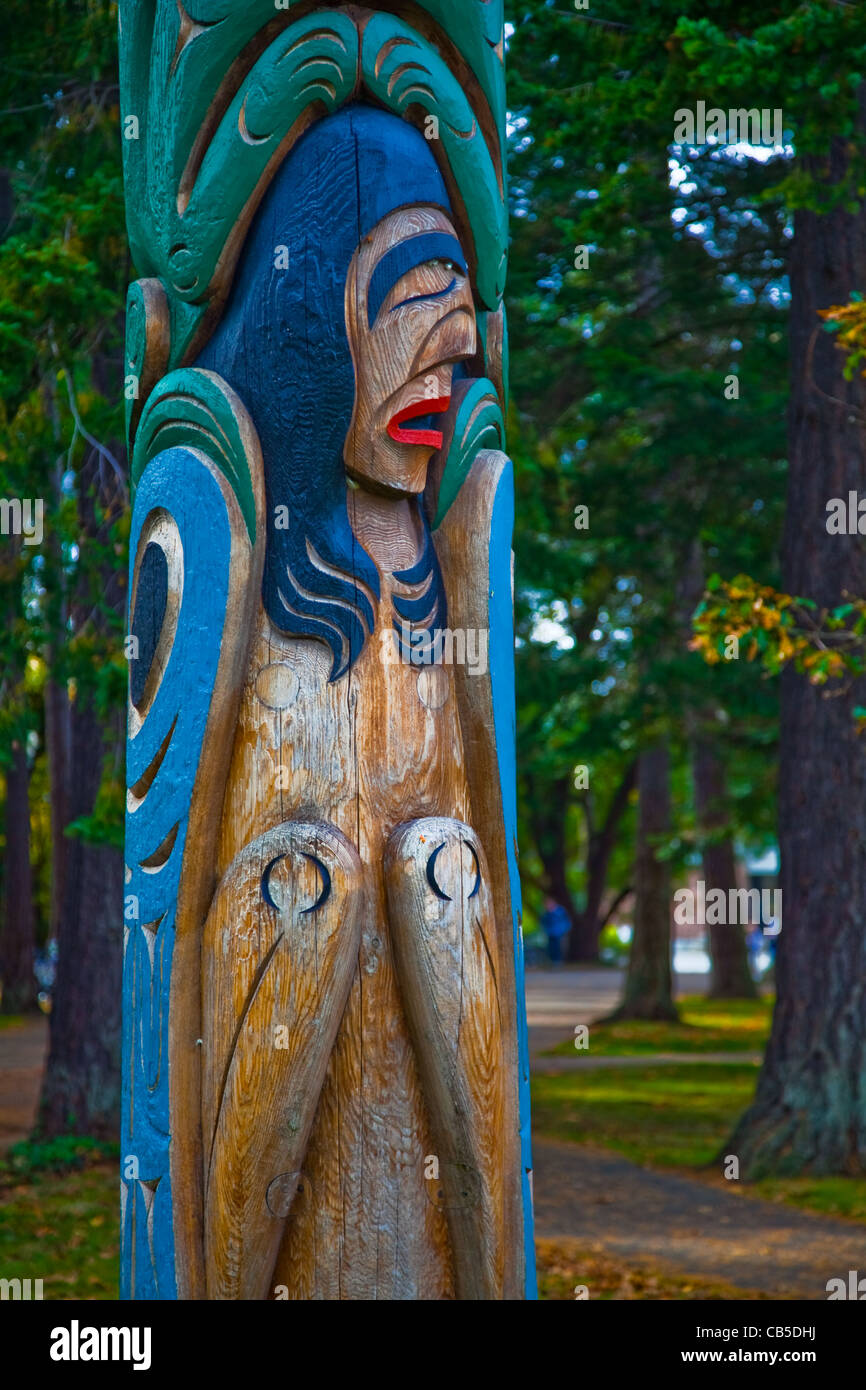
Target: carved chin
395 469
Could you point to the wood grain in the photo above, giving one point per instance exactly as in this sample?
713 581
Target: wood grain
199 880
279 954
463 543
362 754
407 356
444 933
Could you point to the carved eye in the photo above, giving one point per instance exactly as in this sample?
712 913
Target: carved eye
433 280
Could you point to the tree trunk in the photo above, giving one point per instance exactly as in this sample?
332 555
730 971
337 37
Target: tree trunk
548 814
57 753
55 697
583 942
17 936
548 810
731 977
809 1113
648 987
81 1087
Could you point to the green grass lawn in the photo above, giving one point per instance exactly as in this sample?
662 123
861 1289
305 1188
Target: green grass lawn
708 1025
62 1229
676 1116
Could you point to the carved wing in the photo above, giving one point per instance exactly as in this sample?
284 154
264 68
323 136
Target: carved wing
475 516
195 572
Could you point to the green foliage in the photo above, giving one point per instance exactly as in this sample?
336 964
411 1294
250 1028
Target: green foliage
809 61
644 278
61 1155
848 322
776 630
63 272
105 826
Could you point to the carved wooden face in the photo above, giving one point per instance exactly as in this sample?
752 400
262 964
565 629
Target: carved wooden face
410 318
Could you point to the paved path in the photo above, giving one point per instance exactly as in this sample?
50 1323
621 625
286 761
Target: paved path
22 1057
558 999
585 1061
610 1204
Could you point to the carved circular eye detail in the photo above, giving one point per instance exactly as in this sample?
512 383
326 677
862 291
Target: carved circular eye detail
157 591
148 616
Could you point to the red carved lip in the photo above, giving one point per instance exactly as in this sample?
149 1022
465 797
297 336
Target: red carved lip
417 411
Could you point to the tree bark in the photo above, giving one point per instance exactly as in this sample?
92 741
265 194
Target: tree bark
649 985
81 1087
57 717
17 945
731 977
809 1113
56 697
548 810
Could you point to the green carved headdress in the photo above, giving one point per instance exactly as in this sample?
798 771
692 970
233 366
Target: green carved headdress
215 95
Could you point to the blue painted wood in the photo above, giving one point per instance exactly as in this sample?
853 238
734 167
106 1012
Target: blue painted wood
179 482
501 624
282 346
150 605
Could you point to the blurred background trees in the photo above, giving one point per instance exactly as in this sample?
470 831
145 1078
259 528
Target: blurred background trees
673 376
63 274
649 339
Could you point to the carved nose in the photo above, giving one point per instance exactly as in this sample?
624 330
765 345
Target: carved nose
452 339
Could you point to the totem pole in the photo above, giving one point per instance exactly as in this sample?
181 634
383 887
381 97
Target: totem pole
325 1063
